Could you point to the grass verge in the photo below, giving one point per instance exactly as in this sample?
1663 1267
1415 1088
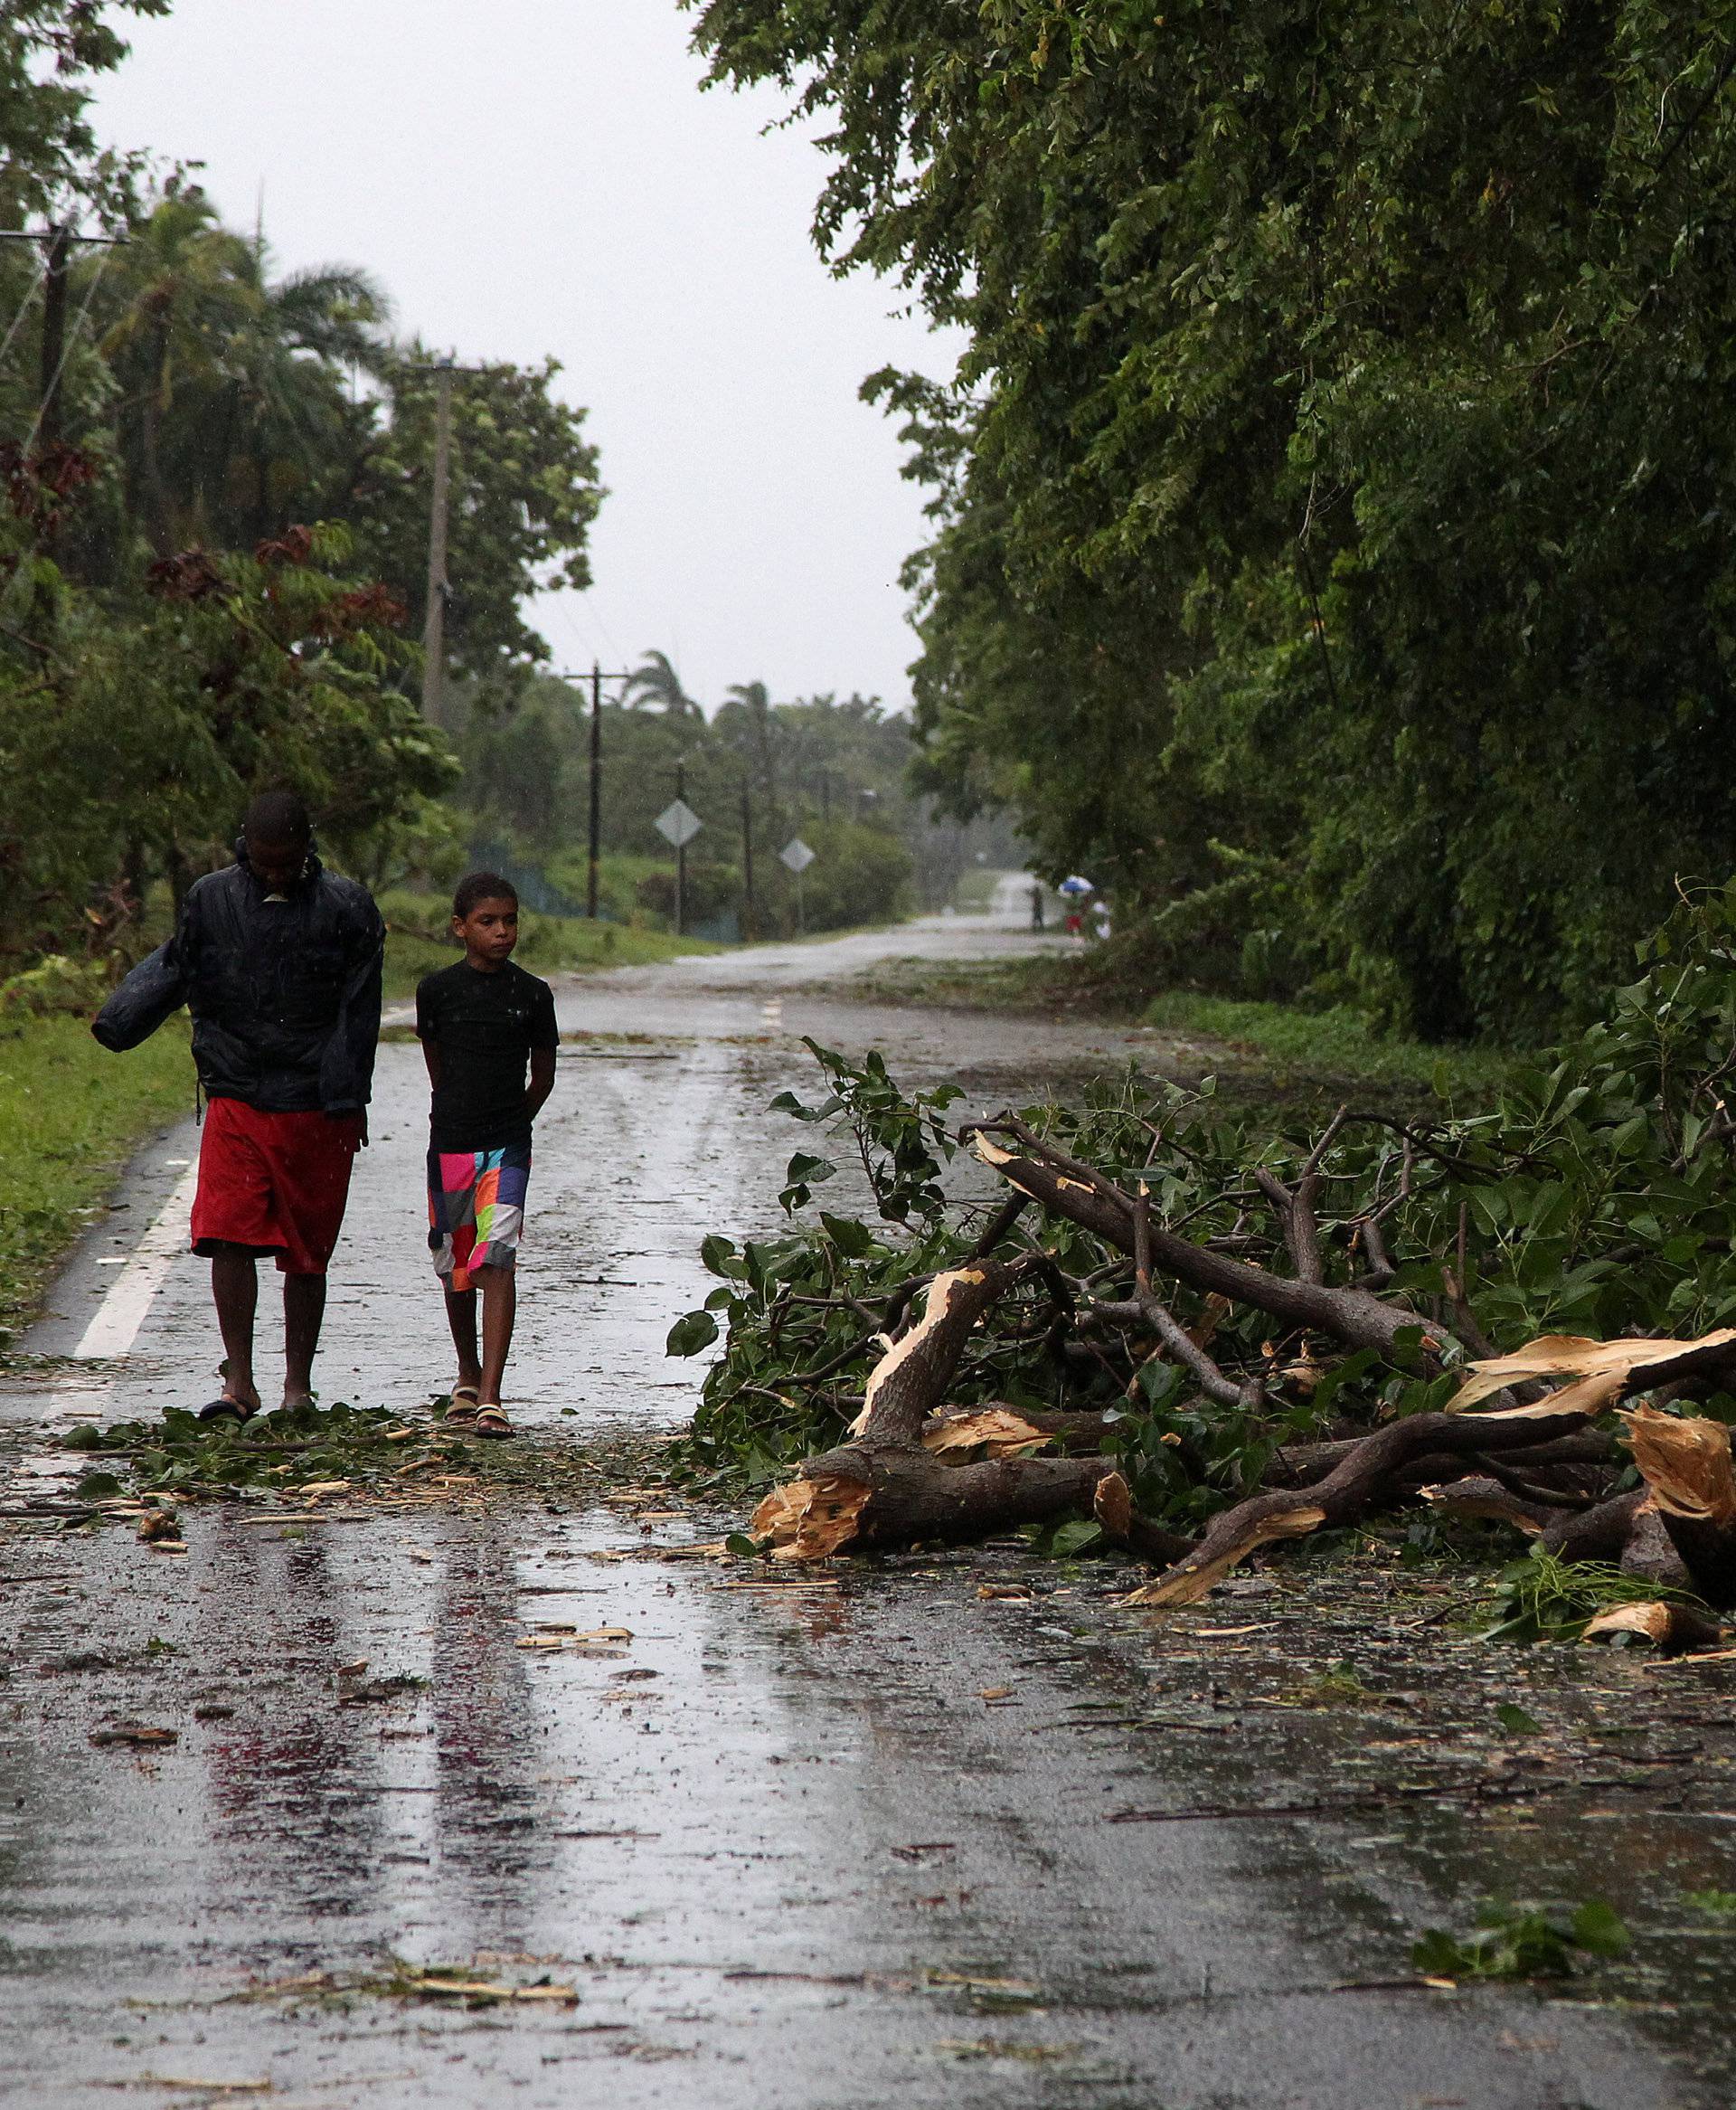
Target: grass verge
1331 1045
70 1114
1261 1050
417 942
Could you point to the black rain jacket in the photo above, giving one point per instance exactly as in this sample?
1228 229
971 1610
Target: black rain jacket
285 995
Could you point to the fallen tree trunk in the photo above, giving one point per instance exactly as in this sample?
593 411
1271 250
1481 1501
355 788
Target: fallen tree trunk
912 1473
1302 1464
886 1489
865 1497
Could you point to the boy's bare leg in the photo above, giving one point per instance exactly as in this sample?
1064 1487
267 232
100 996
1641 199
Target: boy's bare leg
235 1292
304 1306
499 1307
461 1317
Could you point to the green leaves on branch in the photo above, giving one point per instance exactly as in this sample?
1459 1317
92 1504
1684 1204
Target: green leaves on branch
691 1334
1331 550
1597 1197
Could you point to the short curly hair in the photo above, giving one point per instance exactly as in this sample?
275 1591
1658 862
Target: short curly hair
475 887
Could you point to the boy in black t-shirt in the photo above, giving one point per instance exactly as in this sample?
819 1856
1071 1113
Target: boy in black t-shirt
481 1022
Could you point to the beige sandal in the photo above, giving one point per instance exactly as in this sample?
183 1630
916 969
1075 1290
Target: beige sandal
462 1404
491 1421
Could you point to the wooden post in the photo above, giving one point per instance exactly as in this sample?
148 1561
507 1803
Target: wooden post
434 620
681 857
749 918
596 834
60 255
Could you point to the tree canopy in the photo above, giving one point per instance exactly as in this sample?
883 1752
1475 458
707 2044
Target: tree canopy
212 579
1331 504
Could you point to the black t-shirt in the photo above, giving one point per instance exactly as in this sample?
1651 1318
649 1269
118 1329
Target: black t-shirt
485 1026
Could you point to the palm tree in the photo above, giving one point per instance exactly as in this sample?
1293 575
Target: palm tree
221 368
183 301
753 699
312 325
658 685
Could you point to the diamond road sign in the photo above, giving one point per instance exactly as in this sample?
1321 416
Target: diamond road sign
678 823
796 854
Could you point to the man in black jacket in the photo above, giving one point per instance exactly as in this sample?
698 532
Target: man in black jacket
279 961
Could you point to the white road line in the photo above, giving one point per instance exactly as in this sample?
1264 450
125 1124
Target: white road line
122 1311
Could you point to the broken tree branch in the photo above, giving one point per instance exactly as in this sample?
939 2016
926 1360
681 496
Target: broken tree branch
1355 1317
1354 1486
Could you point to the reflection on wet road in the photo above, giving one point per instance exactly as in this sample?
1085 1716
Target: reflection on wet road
808 1848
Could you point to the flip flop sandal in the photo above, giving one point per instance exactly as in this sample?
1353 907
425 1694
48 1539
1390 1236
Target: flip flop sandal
226 1409
491 1421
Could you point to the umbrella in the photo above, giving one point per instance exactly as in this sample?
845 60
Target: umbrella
1076 886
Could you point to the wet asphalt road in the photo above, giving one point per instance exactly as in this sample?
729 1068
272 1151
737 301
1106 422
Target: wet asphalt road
778 1841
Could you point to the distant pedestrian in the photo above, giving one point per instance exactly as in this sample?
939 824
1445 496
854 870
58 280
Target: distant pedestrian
483 1023
280 963
1036 904
1101 920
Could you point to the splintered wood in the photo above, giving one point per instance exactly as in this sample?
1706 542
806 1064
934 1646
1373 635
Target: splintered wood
994 1431
1670 1628
810 1519
903 1385
1685 1463
1190 1580
1604 1369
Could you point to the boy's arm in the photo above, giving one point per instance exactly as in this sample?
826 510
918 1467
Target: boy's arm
541 1080
431 1056
546 1038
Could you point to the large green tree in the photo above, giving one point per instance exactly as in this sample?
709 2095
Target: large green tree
523 495
1340 449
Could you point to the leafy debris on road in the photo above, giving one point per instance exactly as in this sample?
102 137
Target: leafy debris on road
1186 1335
1520 1941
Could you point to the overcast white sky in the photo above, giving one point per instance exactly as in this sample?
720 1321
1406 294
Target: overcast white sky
544 176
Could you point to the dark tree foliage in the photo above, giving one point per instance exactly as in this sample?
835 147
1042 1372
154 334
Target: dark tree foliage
211 580
1338 472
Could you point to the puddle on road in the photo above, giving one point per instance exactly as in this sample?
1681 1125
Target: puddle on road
727 1816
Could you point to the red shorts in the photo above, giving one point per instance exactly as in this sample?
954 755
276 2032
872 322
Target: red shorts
275 1183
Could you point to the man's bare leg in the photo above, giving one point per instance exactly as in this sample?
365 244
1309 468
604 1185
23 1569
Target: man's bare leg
304 1306
235 1292
461 1317
499 1305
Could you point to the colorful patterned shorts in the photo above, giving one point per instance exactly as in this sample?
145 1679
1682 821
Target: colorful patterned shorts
475 1211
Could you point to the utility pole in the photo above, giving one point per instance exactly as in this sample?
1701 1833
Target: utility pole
681 855
594 835
749 917
54 277
826 795
434 620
